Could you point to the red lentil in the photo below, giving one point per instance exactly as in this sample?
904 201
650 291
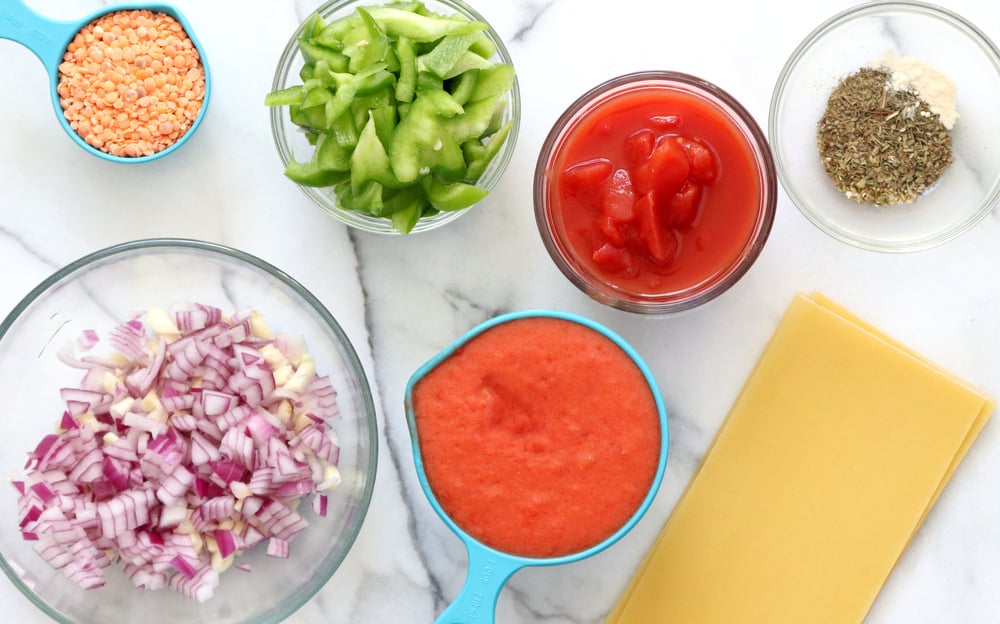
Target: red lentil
131 82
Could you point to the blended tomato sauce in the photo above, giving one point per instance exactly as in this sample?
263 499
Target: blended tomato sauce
539 437
656 191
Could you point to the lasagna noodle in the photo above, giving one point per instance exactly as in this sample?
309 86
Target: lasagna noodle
829 460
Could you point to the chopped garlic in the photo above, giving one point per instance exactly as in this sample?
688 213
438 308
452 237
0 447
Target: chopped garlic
151 401
259 327
119 408
240 490
88 418
284 412
219 564
196 540
283 374
302 420
160 322
303 375
110 382
273 356
331 478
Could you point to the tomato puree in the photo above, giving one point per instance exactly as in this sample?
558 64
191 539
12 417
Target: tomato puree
655 190
539 437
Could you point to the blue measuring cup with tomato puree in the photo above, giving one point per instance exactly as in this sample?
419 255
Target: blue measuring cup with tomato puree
489 568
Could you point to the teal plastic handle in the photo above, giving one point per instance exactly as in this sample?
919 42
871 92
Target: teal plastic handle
476 603
46 38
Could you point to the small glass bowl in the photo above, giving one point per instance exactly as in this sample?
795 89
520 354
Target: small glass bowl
723 274
107 287
967 191
291 141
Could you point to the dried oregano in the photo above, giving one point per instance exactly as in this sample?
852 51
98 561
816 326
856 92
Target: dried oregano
880 145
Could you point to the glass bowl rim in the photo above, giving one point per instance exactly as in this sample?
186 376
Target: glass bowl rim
867 9
766 211
299 598
379 225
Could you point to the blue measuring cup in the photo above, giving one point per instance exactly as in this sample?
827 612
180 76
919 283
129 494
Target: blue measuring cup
489 568
48 39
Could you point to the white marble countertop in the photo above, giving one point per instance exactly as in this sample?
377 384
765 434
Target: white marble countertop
402 299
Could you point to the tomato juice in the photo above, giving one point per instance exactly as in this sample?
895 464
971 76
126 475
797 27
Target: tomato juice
539 437
656 189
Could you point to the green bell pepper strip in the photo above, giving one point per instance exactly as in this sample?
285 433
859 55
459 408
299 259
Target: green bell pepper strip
468 62
366 44
440 102
473 122
312 53
406 84
403 23
385 122
368 201
332 35
491 148
427 81
332 156
370 161
286 97
497 80
316 96
312 27
311 174
406 207
344 131
444 55
420 145
483 46
461 87
455 196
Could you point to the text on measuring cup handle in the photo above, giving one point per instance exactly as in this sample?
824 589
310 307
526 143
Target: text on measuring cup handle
13 21
485 576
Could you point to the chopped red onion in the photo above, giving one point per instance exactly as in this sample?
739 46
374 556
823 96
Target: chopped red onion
277 547
177 440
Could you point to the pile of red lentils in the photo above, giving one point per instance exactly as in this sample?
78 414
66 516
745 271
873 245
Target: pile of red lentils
131 83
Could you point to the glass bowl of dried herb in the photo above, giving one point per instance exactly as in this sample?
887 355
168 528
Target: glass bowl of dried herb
883 125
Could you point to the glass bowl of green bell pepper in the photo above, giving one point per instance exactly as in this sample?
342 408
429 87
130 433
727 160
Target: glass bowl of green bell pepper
395 118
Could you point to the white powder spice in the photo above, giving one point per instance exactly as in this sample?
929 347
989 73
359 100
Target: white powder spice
926 81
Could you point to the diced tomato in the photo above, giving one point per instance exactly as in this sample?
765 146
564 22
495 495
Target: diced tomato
638 146
587 176
619 197
659 241
613 258
682 207
665 171
611 230
702 161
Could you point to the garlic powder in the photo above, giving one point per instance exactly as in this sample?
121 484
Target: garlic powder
926 81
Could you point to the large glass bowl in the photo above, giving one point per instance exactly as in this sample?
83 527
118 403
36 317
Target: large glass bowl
733 258
104 289
967 191
291 141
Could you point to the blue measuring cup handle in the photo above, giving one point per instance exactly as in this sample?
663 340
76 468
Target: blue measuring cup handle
477 601
46 38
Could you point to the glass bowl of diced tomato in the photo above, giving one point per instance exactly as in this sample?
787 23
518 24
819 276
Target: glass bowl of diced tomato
192 439
395 118
655 192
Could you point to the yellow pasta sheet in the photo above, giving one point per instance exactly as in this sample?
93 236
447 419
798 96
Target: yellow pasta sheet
831 457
